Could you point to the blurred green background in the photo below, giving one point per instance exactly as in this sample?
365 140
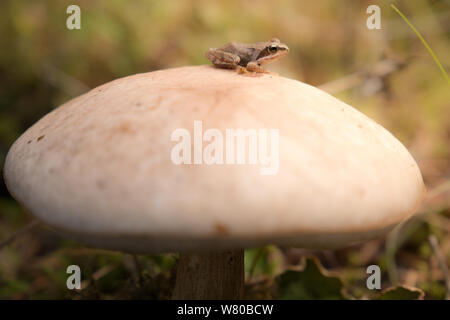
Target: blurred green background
387 74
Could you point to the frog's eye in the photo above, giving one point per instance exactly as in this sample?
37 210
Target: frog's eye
273 48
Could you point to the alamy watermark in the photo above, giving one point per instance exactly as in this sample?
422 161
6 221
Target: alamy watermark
374 280
74 19
234 146
73 281
374 20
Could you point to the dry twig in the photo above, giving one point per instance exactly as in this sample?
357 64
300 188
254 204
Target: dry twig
100 273
28 227
380 70
434 243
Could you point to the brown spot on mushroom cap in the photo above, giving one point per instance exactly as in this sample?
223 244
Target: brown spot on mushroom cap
125 128
221 229
362 192
101 184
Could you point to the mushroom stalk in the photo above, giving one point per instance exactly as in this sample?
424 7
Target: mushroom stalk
217 275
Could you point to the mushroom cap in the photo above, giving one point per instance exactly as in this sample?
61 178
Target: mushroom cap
99 167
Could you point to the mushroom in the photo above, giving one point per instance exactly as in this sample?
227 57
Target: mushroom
100 169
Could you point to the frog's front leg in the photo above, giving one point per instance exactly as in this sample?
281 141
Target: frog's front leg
255 67
223 59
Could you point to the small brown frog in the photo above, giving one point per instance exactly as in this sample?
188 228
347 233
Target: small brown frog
247 57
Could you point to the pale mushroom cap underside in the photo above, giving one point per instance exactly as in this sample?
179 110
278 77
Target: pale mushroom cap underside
99 168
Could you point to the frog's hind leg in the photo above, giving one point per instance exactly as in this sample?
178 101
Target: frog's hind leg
223 59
